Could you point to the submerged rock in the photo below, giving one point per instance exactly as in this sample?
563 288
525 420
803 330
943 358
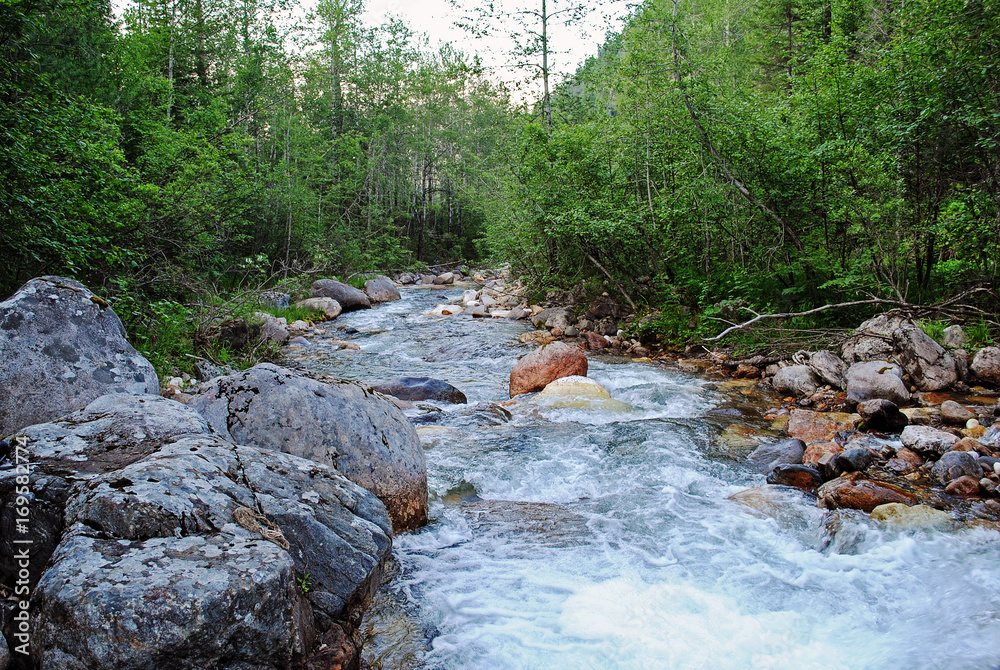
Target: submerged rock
342 424
855 491
544 365
61 347
579 392
781 503
915 517
421 388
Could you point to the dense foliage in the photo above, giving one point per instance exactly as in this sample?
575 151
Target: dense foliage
195 142
783 153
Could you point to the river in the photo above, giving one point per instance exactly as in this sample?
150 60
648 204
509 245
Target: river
578 539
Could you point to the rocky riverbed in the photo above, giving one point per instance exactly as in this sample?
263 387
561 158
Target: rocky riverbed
583 508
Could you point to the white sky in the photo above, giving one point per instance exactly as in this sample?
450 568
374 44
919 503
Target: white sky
436 18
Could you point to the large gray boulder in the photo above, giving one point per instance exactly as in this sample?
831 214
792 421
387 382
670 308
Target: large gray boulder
61 346
954 337
110 433
986 365
873 339
350 298
930 367
876 379
553 317
381 289
343 424
796 380
829 368
207 554
183 550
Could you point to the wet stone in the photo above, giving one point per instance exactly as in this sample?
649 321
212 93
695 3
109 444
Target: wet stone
855 460
882 415
905 462
799 476
953 413
855 491
767 456
817 451
811 426
955 464
963 486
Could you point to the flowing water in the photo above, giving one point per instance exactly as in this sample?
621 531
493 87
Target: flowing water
568 538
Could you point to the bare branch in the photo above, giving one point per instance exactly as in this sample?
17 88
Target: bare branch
948 305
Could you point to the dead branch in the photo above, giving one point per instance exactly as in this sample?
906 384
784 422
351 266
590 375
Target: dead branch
944 307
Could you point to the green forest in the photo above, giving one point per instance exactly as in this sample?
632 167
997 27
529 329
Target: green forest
774 154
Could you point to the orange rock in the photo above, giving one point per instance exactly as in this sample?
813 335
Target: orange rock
546 364
855 491
817 450
799 476
963 486
970 444
819 426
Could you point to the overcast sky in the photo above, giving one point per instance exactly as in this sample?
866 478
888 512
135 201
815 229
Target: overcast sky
436 19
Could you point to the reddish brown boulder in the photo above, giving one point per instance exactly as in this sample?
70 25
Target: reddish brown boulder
596 342
963 486
817 450
855 491
546 364
820 426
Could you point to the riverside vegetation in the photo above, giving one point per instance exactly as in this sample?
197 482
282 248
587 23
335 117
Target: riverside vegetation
711 159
